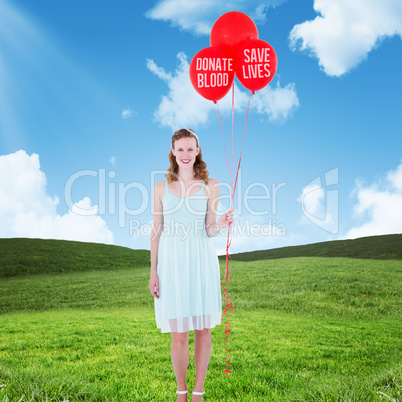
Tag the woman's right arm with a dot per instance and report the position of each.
(155, 235)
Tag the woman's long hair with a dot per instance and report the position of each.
(200, 167)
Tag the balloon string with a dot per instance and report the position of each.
(231, 172)
(223, 138)
(228, 301)
(244, 134)
(228, 276)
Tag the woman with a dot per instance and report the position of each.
(185, 275)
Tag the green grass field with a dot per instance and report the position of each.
(77, 324)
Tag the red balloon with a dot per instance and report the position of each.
(231, 30)
(255, 64)
(212, 73)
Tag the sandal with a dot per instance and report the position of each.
(182, 392)
(198, 393)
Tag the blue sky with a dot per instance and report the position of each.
(91, 93)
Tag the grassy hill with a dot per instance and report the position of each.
(306, 328)
(21, 256)
(385, 247)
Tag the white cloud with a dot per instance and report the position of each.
(26, 210)
(346, 31)
(382, 204)
(160, 72)
(127, 113)
(198, 16)
(395, 178)
(184, 107)
(277, 103)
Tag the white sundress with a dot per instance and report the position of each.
(187, 267)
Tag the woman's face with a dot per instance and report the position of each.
(185, 150)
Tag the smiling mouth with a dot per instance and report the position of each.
(186, 161)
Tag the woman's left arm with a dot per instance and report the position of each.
(212, 227)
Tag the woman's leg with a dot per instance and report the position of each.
(180, 357)
(202, 353)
